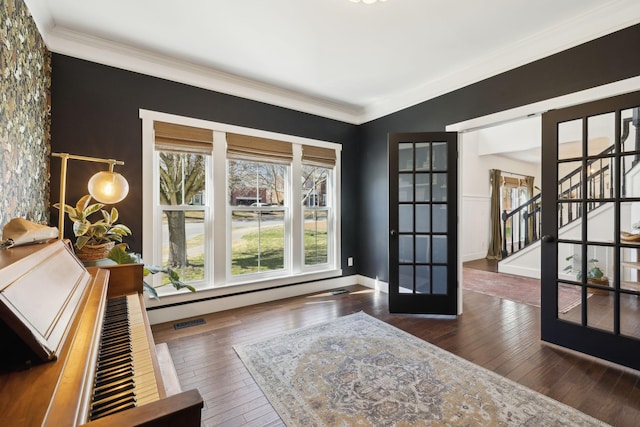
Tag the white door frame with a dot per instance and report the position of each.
(537, 108)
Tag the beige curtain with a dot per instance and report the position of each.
(495, 242)
(528, 180)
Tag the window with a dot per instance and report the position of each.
(515, 192)
(316, 214)
(182, 158)
(317, 168)
(220, 204)
(182, 191)
(258, 212)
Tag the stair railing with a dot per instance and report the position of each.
(522, 226)
(525, 221)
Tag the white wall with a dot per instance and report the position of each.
(476, 190)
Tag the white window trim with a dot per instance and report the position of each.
(330, 224)
(220, 280)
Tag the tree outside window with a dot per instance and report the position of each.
(182, 199)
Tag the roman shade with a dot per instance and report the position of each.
(182, 139)
(508, 181)
(244, 147)
(318, 156)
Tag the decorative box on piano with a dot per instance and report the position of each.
(77, 347)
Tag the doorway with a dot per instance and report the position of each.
(520, 113)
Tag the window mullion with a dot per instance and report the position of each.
(297, 212)
(221, 230)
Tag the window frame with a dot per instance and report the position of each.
(287, 224)
(157, 230)
(218, 268)
(330, 208)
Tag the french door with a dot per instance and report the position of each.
(591, 228)
(423, 223)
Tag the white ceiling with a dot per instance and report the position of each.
(335, 58)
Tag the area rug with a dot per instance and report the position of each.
(359, 371)
(516, 288)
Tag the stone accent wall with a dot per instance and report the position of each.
(25, 120)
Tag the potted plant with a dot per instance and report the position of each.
(94, 240)
(595, 275)
(120, 256)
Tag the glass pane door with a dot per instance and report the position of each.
(591, 223)
(422, 245)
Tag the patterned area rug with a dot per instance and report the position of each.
(517, 288)
(359, 371)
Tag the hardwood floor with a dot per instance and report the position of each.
(483, 264)
(500, 335)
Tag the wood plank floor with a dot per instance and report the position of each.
(500, 335)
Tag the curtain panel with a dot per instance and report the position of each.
(495, 242)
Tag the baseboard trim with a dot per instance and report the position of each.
(200, 308)
(519, 271)
(376, 284)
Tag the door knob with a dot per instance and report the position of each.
(548, 239)
(393, 232)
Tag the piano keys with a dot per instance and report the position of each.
(90, 356)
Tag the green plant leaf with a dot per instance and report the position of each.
(120, 256)
(121, 229)
(80, 228)
(114, 215)
(82, 204)
(153, 269)
(81, 241)
(595, 273)
(151, 290)
(106, 217)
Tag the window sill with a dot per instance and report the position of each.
(172, 296)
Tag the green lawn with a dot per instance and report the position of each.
(260, 251)
(244, 252)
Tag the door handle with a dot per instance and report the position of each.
(548, 238)
(393, 232)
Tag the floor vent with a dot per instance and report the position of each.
(188, 323)
(339, 291)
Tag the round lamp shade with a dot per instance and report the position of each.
(108, 187)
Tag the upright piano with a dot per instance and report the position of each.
(76, 346)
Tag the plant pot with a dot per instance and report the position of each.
(94, 252)
(602, 282)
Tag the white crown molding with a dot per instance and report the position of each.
(608, 18)
(611, 16)
(78, 45)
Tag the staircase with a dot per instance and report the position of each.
(521, 227)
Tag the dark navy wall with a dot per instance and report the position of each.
(604, 60)
(95, 113)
